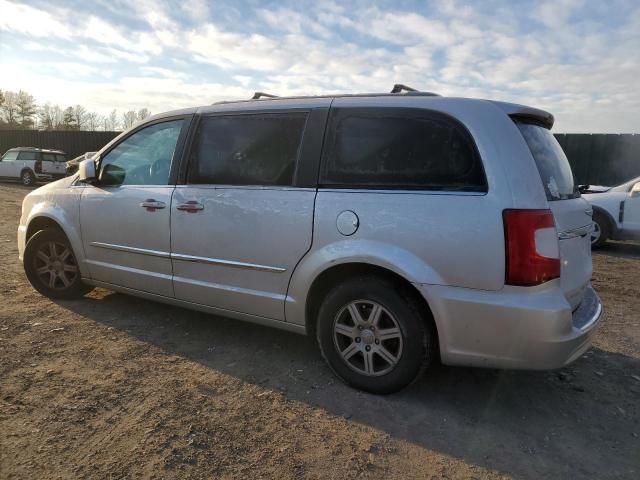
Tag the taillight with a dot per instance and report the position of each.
(38, 166)
(531, 244)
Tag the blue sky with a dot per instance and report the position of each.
(578, 59)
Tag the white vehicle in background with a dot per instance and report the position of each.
(29, 165)
(616, 211)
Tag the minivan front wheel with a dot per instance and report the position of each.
(372, 336)
(51, 266)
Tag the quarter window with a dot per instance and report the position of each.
(260, 149)
(48, 157)
(401, 148)
(143, 158)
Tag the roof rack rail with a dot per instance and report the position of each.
(258, 95)
(399, 88)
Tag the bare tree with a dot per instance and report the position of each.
(58, 117)
(10, 108)
(112, 121)
(47, 116)
(92, 121)
(80, 116)
(69, 119)
(143, 113)
(129, 119)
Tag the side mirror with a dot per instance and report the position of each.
(87, 169)
(635, 190)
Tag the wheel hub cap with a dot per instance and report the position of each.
(368, 337)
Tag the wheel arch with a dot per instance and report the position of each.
(49, 216)
(40, 223)
(329, 277)
(27, 169)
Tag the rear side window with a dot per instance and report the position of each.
(48, 157)
(259, 149)
(61, 158)
(553, 166)
(28, 156)
(401, 148)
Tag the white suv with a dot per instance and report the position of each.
(29, 164)
(397, 229)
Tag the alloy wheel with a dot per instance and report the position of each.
(26, 179)
(367, 337)
(55, 265)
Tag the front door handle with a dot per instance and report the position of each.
(191, 206)
(152, 205)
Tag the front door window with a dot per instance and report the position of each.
(144, 158)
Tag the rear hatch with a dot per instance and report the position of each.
(572, 214)
(54, 163)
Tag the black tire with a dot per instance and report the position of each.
(602, 224)
(416, 349)
(56, 278)
(27, 178)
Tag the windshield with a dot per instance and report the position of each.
(553, 166)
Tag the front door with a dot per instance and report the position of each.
(125, 216)
(8, 165)
(242, 221)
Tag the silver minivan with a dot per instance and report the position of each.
(397, 229)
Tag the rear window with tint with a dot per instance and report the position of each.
(553, 166)
(61, 158)
(401, 148)
(260, 149)
(48, 157)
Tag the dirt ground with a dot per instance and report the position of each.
(117, 387)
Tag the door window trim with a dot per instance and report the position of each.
(178, 153)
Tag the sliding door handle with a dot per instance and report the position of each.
(191, 206)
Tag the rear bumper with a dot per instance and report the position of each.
(519, 328)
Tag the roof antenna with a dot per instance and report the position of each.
(259, 95)
(399, 88)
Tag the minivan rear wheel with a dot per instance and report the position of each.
(372, 336)
(51, 266)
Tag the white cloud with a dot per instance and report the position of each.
(31, 21)
(583, 70)
(228, 49)
(555, 13)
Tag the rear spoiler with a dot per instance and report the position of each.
(534, 115)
